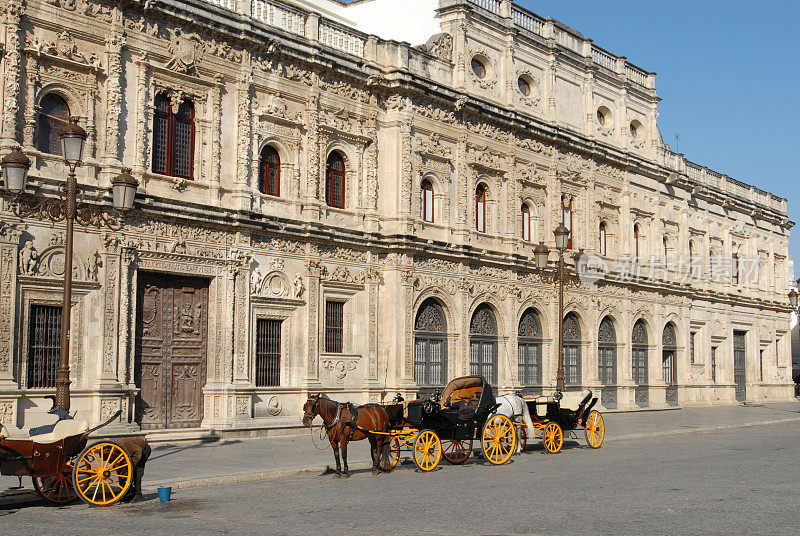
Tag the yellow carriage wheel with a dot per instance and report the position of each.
(102, 474)
(57, 489)
(392, 456)
(595, 429)
(456, 451)
(522, 437)
(498, 439)
(553, 437)
(427, 450)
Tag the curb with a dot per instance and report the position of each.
(266, 475)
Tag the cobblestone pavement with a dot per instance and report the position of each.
(743, 481)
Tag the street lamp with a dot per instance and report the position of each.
(793, 295)
(541, 254)
(15, 167)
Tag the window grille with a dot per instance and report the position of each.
(44, 346)
(334, 322)
(268, 353)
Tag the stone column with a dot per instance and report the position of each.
(407, 278)
(216, 137)
(242, 369)
(111, 154)
(31, 110)
(312, 194)
(127, 315)
(373, 280)
(244, 136)
(12, 75)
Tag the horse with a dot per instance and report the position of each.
(515, 408)
(345, 423)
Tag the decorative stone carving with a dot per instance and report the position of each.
(7, 413)
(298, 287)
(108, 408)
(27, 258)
(339, 368)
(271, 285)
(274, 406)
(440, 45)
(184, 52)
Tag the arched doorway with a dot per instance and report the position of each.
(572, 350)
(669, 352)
(529, 351)
(607, 362)
(639, 363)
(483, 344)
(430, 345)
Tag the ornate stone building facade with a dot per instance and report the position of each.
(320, 208)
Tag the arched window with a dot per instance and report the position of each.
(529, 349)
(53, 116)
(173, 138)
(636, 239)
(526, 223)
(430, 345)
(480, 208)
(607, 352)
(269, 172)
(334, 185)
(639, 362)
(426, 201)
(483, 344)
(572, 349)
(603, 240)
(566, 217)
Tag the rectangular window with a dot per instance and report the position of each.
(44, 346)
(735, 269)
(777, 354)
(529, 364)
(691, 347)
(334, 322)
(761, 365)
(268, 353)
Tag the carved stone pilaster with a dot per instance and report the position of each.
(140, 162)
(9, 244)
(111, 284)
(12, 75)
(241, 372)
(33, 82)
(312, 147)
(114, 45)
(462, 186)
(226, 368)
(244, 133)
(407, 284)
(127, 314)
(372, 296)
(314, 272)
(216, 133)
(407, 171)
(371, 162)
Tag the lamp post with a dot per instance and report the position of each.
(15, 167)
(560, 276)
(793, 295)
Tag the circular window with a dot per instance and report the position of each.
(637, 130)
(603, 116)
(524, 86)
(478, 67)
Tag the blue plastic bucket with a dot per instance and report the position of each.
(164, 493)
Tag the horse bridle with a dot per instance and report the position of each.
(314, 413)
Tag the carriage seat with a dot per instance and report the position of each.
(464, 394)
(531, 398)
(63, 429)
(572, 399)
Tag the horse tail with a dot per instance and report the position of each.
(526, 418)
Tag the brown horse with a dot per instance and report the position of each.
(342, 427)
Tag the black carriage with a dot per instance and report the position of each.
(554, 415)
(447, 424)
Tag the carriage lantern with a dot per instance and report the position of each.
(15, 170)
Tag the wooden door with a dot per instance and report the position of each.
(171, 343)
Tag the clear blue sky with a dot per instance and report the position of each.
(728, 77)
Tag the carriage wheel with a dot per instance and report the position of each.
(498, 439)
(102, 473)
(57, 489)
(427, 450)
(455, 451)
(553, 437)
(392, 456)
(522, 437)
(595, 429)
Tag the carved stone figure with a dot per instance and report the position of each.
(440, 45)
(27, 259)
(298, 286)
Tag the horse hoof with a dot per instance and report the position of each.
(337, 475)
(345, 475)
(376, 472)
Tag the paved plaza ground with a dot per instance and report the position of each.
(653, 476)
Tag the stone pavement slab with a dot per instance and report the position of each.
(239, 460)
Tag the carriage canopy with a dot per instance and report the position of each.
(464, 388)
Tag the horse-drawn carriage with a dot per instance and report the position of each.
(446, 426)
(63, 468)
(563, 412)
